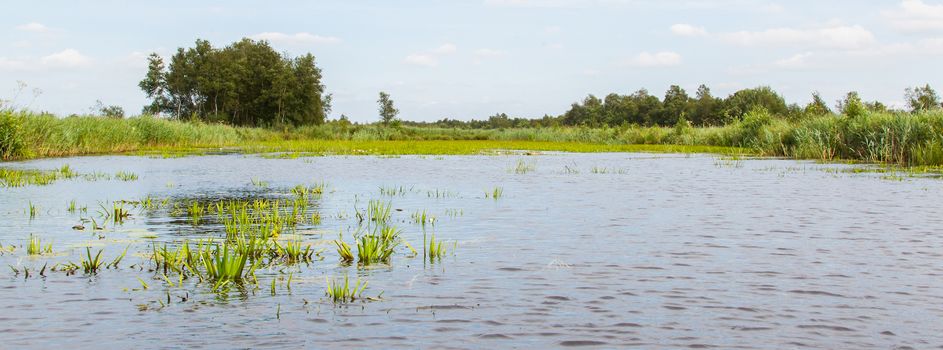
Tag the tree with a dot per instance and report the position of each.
(818, 106)
(113, 111)
(851, 105)
(387, 111)
(921, 99)
(743, 101)
(676, 105)
(154, 85)
(706, 110)
(245, 83)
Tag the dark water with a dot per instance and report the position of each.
(658, 252)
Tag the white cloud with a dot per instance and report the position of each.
(421, 60)
(67, 58)
(658, 59)
(301, 38)
(34, 27)
(445, 49)
(799, 60)
(841, 37)
(489, 53)
(916, 16)
(12, 64)
(683, 29)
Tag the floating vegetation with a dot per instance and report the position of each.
(35, 246)
(342, 292)
(126, 176)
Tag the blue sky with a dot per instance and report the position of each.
(470, 59)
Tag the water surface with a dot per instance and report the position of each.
(647, 251)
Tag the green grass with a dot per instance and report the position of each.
(900, 139)
(435, 250)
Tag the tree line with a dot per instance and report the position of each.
(245, 83)
(702, 109)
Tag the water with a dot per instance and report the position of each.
(658, 252)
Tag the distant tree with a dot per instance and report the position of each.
(387, 111)
(921, 99)
(676, 105)
(743, 101)
(154, 85)
(818, 106)
(113, 111)
(851, 105)
(875, 106)
(706, 110)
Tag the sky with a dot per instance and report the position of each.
(468, 59)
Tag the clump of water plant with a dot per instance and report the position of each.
(434, 249)
(196, 211)
(292, 252)
(36, 247)
(91, 265)
(523, 167)
(33, 210)
(495, 193)
(343, 250)
(126, 176)
(423, 218)
(343, 292)
(224, 265)
(374, 249)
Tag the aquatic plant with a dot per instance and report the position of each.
(224, 265)
(292, 252)
(423, 218)
(32, 210)
(435, 250)
(523, 167)
(495, 193)
(374, 249)
(90, 265)
(126, 176)
(343, 292)
(343, 250)
(195, 211)
(35, 246)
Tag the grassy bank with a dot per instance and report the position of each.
(901, 139)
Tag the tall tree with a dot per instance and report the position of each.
(245, 83)
(818, 106)
(387, 111)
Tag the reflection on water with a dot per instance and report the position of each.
(611, 250)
